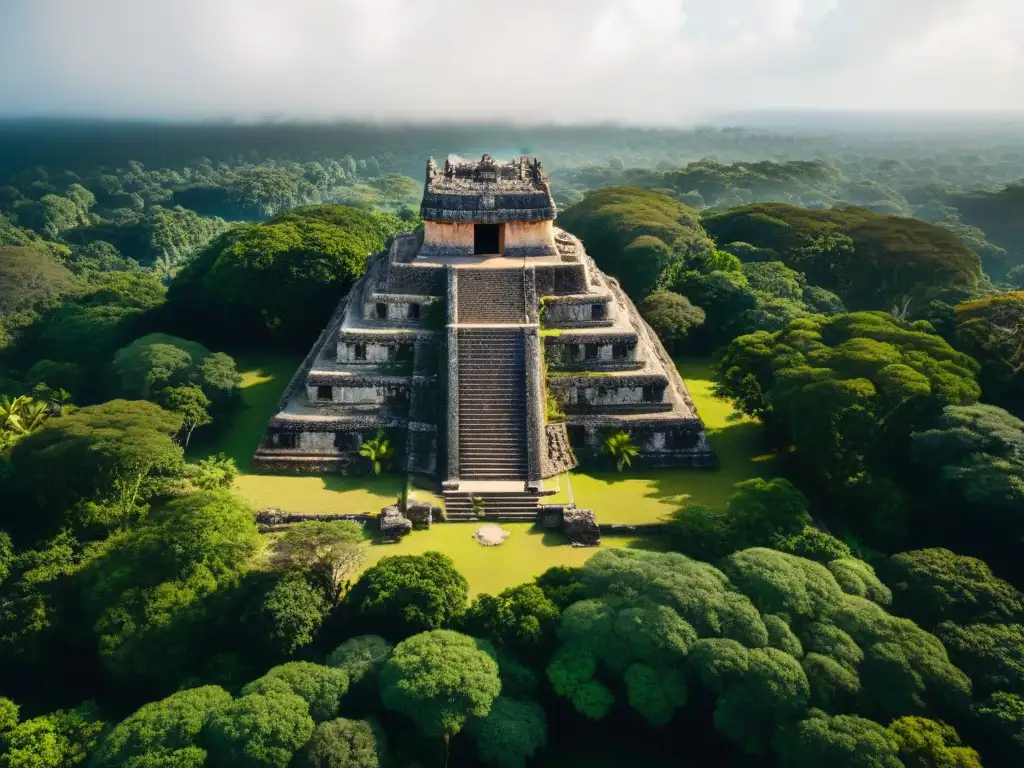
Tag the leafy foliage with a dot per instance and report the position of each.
(259, 729)
(281, 277)
(166, 730)
(403, 594)
(872, 261)
(440, 679)
(935, 585)
(511, 733)
(119, 450)
(321, 687)
(342, 743)
(635, 235)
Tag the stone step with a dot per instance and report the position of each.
(497, 457)
(507, 472)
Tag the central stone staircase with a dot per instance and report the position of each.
(492, 404)
(498, 505)
(491, 296)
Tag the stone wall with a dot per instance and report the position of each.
(535, 407)
(447, 239)
(579, 311)
(661, 444)
(580, 352)
(535, 238)
(365, 394)
(558, 456)
(451, 424)
(561, 279)
(414, 280)
(375, 352)
(421, 449)
(400, 310)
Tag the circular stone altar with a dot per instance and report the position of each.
(490, 535)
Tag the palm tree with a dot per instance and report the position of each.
(60, 399)
(21, 415)
(620, 449)
(11, 413)
(33, 415)
(378, 451)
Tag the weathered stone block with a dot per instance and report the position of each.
(420, 514)
(393, 525)
(580, 526)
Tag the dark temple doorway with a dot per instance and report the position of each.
(486, 239)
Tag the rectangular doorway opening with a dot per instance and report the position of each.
(486, 239)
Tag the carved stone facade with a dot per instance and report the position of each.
(444, 343)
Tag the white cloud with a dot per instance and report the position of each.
(572, 60)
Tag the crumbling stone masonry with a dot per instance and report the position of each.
(445, 341)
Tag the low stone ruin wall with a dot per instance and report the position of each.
(558, 457)
(270, 519)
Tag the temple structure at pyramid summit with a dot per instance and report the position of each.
(491, 349)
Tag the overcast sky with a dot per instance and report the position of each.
(642, 61)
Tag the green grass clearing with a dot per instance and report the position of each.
(526, 553)
(263, 380)
(647, 496)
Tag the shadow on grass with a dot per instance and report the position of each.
(649, 496)
(263, 382)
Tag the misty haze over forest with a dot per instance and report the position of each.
(651, 62)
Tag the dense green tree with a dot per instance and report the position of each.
(845, 390)
(440, 679)
(671, 316)
(258, 729)
(158, 361)
(799, 589)
(724, 296)
(361, 657)
(31, 281)
(344, 743)
(520, 619)
(562, 585)
(145, 587)
(774, 279)
(872, 261)
(165, 732)
(1000, 717)
(214, 473)
(758, 512)
(326, 552)
(61, 739)
(279, 279)
(118, 451)
(510, 734)
(935, 585)
(969, 466)
(190, 404)
(926, 743)
(842, 741)
(89, 328)
(289, 614)
(321, 687)
(985, 328)
(812, 543)
(856, 577)
(8, 714)
(408, 593)
(636, 234)
(992, 655)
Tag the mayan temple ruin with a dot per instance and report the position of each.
(468, 341)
